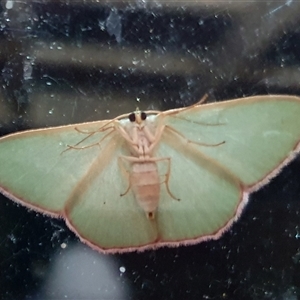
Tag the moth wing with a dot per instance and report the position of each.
(210, 197)
(81, 185)
(37, 172)
(244, 143)
(260, 134)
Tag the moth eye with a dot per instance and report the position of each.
(143, 116)
(131, 117)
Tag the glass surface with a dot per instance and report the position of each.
(77, 61)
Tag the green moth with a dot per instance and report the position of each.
(149, 179)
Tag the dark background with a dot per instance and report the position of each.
(65, 62)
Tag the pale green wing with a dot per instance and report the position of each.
(210, 197)
(99, 215)
(244, 143)
(260, 134)
(36, 170)
(83, 186)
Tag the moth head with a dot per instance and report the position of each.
(137, 116)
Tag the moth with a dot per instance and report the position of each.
(149, 179)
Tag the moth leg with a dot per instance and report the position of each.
(92, 133)
(133, 159)
(133, 141)
(154, 139)
(202, 100)
(69, 147)
(167, 175)
(101, 129)
(193, 142)
(124, 171)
